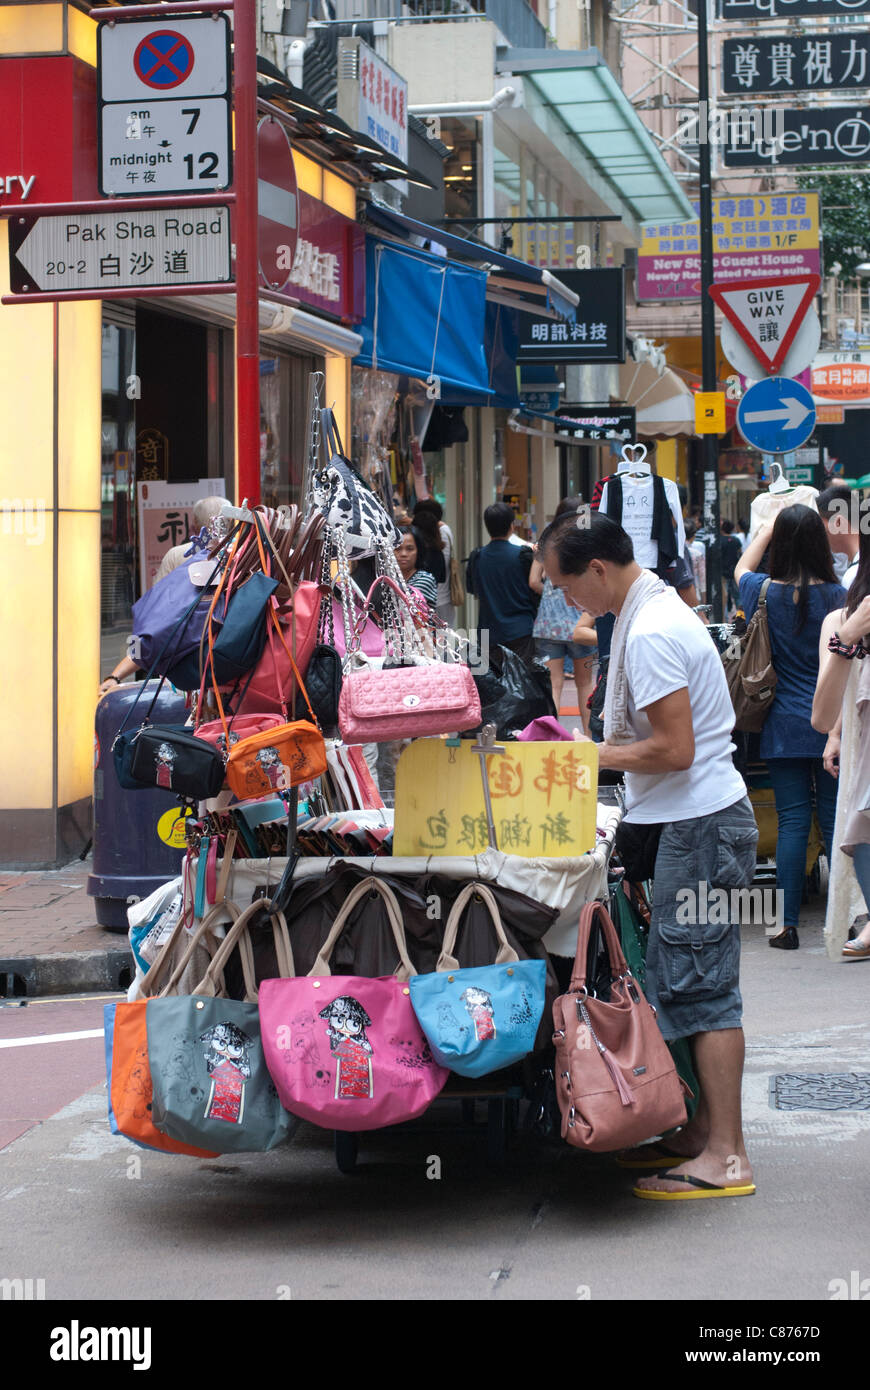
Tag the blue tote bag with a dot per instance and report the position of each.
(484, 1018)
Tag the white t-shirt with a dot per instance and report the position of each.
(447, 537)
(637, 516)
(849, 573)
(668, 649)
(767, 504)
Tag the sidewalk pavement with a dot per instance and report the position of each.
(50, 942)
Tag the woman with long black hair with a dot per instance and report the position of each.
(802, 592)
(842, 706)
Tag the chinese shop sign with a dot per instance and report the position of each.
(598, 332)
(544, 799)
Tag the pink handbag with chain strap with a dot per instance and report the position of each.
(436, 697)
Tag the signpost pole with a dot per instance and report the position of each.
(247, 269)
(709, 442)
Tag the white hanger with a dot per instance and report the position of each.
(779, 483)
(633, 461)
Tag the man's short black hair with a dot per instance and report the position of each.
(836, 493)
(598, 538)
(498, 520)
(727, 526)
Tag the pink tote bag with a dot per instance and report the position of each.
(344, 1051)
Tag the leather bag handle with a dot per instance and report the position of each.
(215, 917)
(238, 935)
(614, 950)
(367, 885)
(506, 953)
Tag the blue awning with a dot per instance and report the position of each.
(501, 341)
(509, 274)
(425, 316)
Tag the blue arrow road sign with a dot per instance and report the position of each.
(776, 415)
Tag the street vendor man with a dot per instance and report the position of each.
(688, 825)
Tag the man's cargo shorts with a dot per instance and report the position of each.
(693, 963)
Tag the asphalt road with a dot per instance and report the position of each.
(97, 1218)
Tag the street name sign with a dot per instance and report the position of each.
(113, 250)
(767, 313)
(165, 118)
(776, 415)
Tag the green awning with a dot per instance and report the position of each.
(579, 89)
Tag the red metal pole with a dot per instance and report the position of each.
(247, 266)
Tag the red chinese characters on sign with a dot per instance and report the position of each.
(326, 269)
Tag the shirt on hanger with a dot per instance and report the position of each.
(767, 504)
(637, 515)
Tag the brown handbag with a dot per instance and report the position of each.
(616, 1082)
(749, 670)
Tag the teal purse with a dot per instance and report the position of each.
(484, 1018)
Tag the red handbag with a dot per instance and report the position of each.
(270, 690)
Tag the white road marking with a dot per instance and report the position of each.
(51, 1038)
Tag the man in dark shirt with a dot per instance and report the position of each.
(498, 574)
(731, 552)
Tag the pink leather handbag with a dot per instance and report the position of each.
(376, 706)
(344, 1051)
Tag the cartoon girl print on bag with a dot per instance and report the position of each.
(269, 765)
(347, 1021)
(478, 1002)
(164, 760)
(227, 1060)
(221, 743)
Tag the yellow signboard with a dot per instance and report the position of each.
(710, 412)
(543, 798)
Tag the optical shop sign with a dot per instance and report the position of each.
(598, 333)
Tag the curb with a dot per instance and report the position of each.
(74, 972)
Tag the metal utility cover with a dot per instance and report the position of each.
(818, 1090)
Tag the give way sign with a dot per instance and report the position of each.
(767, 313)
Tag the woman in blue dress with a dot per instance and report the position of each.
(802, 592)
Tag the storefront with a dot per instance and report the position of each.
(145, 385)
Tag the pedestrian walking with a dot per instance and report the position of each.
(802, 592)
(499, 575)
(667, 722)
(842, 705)
(440, 548)
(835, 506)
(561, 633)
(731, 553)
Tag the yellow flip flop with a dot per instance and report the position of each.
(698, 1189)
